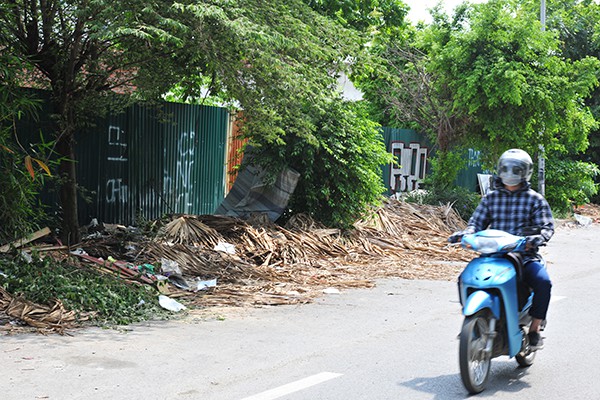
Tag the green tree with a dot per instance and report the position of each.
(293, 112)
(576, 23)
(570, 183)
(277, 60)
(504, 76)
(76, 49)
(496, 81)
(383, 25)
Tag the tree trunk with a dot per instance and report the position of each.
(68, 191)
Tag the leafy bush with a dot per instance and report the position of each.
(107, 298)
(569, 183)
(341, 170)
(445, 167)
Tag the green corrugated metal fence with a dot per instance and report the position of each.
(153, 162)
(145, 162)
(150, 161)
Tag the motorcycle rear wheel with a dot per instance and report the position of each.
(474, 361)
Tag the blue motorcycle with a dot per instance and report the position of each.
(495, 303)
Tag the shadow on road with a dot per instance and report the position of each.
(505, 376)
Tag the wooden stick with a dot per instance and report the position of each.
(21, 242)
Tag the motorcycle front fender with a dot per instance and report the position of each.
(480, 300)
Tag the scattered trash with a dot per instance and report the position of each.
(169, 267)
(50, 317)
(256, 262)
(178, 281)
(170, 304)
(95, 235)
(26, 256)
(161, 284)
(79, 251)
(582, 220)
(95, 226)
(225, 247)
(120, 268)
(205, 284)
(171, 270)
(146, 268)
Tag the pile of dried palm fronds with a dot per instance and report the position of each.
(293, 263)
(44, 318)
(189, 231)
(257, 262)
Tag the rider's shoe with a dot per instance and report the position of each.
(535, 341)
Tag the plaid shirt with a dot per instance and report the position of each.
(521, 213)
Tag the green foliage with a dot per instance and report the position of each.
(445, 167)
(570, 183)
(506, 79)
(341, 172)
(487, 78)
(20, 212)
(372, 16)
(576, 23)
(108, 299)
(293, 115)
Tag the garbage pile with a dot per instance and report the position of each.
(215, 260)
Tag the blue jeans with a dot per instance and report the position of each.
(536, 276)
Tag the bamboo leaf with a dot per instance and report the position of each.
(43, 166)
(29, 166)
(7, 149)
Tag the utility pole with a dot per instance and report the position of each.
(541, 152)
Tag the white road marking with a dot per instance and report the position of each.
(294, 386)
(557, 298)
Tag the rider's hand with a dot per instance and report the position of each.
(533, 242)
(456, 237)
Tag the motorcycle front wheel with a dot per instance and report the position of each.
(526, 356)
(475, 362)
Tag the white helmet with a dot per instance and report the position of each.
(515, 166)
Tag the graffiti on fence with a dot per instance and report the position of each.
(116, 191)
(182, 184)
(116, 188)
(409, 169)
(117, 144)
(474, 159)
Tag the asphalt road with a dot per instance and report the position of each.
(396, 341)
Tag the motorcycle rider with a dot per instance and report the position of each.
(512, 206)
